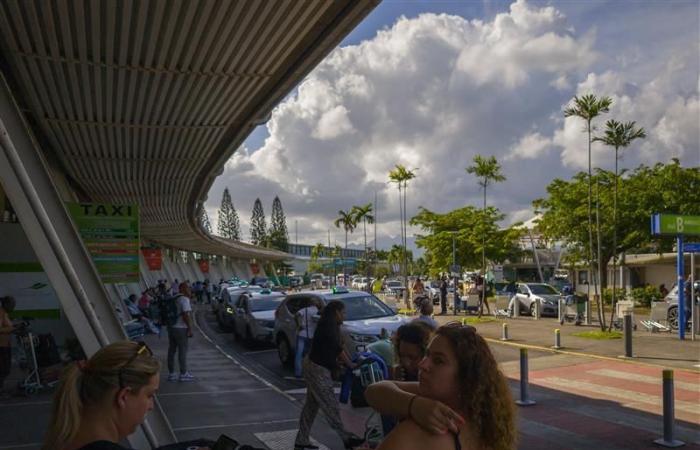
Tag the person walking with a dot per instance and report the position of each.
(443, 295)
(307, 326)
(326, 348)
(179, 325)
(7, 305)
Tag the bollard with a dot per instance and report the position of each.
(524, 398)
(537, 309)
(667, 440)
(504, 333)
(628, 334)
(516, 308)
(557, 339)
(587, 312)
(561, 311)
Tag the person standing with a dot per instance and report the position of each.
(7, 305)
(443, 295)
(307, 326)
(179, 331)
(326, 348)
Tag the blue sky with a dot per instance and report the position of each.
(431, 84)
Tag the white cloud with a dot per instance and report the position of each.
(431, 92)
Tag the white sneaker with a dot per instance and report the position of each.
(186, 377)
(172, 377)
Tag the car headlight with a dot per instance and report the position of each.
(363, 338)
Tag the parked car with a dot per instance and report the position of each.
(263, 282)
(360, 283)
(528, 293)
(254, 318)
(365, 317)
(671, 304)
(432, 288)
(226, 306)
(296, 281)
(395, 287)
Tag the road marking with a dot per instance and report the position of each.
(238, 363)
(281, 440)
(175, 394)
(260, 351)
(302, 391)
(644, 379)
(637, 397)
(238, 424)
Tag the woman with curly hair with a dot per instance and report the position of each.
(461, 399)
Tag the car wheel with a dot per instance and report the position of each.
(532, 309)
(284, 351)
(672, 317)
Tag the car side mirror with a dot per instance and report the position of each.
(527, 294)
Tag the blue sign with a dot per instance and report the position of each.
(691, 247)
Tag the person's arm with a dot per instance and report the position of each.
(401, 399)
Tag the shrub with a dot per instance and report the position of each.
(644, 295)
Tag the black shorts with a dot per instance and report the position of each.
(5, 361)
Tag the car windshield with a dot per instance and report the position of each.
(542, 289)
(264, 304)
(393, 283)
(363, 307)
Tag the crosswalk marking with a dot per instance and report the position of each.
(282, 440)
(644, 379)
(616, 392)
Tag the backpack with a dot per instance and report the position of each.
(169, 312)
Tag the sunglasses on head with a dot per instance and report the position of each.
(142, 347)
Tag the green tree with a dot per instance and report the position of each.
(487, 171)
(346, 219)
(401, 176)
(204, 219)
(279, 237)
(258, 227)
(364, 214)
(662, 188)
(229, 225)
(588, 107)
(468, 225)
(317, 252)
(618, 135)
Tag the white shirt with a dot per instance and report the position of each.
(308, 323)
(183, 306)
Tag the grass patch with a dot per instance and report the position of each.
(483, 319)
(599, 335)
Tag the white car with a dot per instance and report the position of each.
(226, 306)
(360, 283)
(365, 317)
(548, 297)
(254, 318)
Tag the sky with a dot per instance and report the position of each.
(431, 84)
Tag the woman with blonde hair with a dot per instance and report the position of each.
(461, 399)
(103, 400)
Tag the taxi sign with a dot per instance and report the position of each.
(672, 224)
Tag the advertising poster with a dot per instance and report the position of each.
(153, 257)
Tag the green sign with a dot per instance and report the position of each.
(675, 225)
(111, 235)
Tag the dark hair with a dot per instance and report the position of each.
(8, 303)
(416, 332)
(484, 393)
(328, 314)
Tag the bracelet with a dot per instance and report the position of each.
(410, 405)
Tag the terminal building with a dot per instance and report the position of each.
(115, 119)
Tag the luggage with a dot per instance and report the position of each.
(47, 351)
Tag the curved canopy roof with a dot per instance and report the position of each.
(144, 101)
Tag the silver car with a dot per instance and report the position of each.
(226, 306)
(365, 316)
(254, 318)
(528, 293)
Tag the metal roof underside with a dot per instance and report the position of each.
(144, 101)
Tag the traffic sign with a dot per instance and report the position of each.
(675, 225)
(691, 247)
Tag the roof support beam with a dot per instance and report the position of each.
(26, 180)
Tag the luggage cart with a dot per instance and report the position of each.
(573, 309)
(28, 343)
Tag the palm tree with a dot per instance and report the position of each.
(588, 107)
(618, 135)
(364, 214)
(347, 219)
(401, 176)
(488, 171)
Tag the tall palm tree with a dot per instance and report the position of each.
(364, 214)
(618, 135)
(588, 107)
(488, 171)
(401, 176)
(347, 220)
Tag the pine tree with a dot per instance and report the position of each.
(204, 219)
(279, 237)
(258, 227)
(229, 226)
